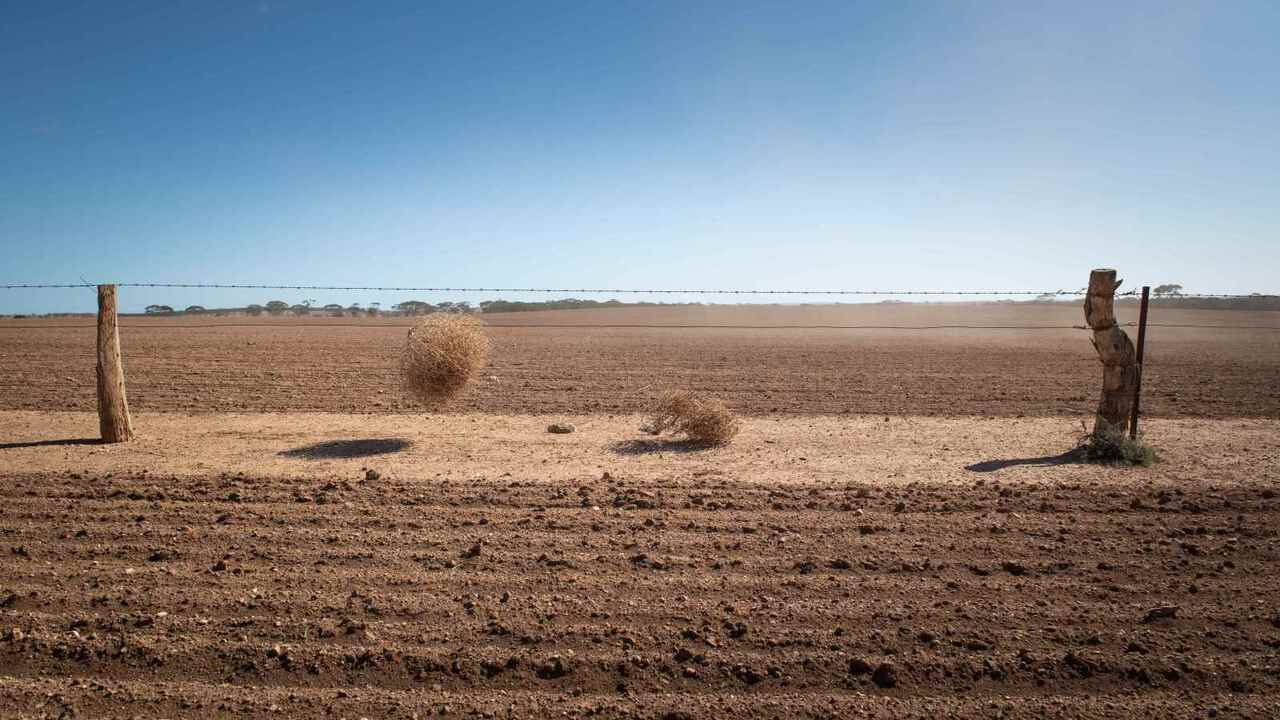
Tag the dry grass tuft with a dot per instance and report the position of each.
(703, 420)
(442, 354)
(1116, 448)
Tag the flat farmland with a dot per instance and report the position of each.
(1010, 360)
(900, 530)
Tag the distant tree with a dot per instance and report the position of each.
(373, 309)
(194, 309)
(334, 309)
(416, 307)
(301, 309)
(497, 306)
(1170, 290)
(254, 309)
(159, 310)
(275, 307)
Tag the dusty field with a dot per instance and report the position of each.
(345, 365)
(244, 565)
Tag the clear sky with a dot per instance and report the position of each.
(635, 144)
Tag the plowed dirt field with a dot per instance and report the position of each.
(897, 532)
(252, 566)
(1008, 360)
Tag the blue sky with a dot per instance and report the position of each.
(635, 144)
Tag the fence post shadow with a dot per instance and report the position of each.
(1074, 456)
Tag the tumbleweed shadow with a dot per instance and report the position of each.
(50, 443)
(649, 447)
(337, 449)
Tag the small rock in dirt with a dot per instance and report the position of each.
(1160, 612)
(747, 674)
(1014, 568)
(885, 676)
(858, 666)
(372, 474)
(551, 668)
(561, 428)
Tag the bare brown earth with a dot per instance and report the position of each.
(248, 566)
(1229, 369)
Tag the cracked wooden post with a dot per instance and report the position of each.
(113, 408)
(1115, 350)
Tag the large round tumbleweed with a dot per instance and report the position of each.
(442, 354)
(703, 420)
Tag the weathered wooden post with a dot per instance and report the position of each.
(1115, 350)
(113, 408)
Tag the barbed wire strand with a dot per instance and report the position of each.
(593, 291)
(627, 326)
(618, 291)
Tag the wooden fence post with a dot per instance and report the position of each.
(1115, 350)
(113, 408)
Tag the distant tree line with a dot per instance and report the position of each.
(500, 306)
(1164, 295)
(408, 307)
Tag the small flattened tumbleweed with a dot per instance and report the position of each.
(703, 420)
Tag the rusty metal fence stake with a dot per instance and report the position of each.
(1142, 340)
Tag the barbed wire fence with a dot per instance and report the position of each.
(116, 423)
(622, 291)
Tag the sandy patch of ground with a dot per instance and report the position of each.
(770, 450)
